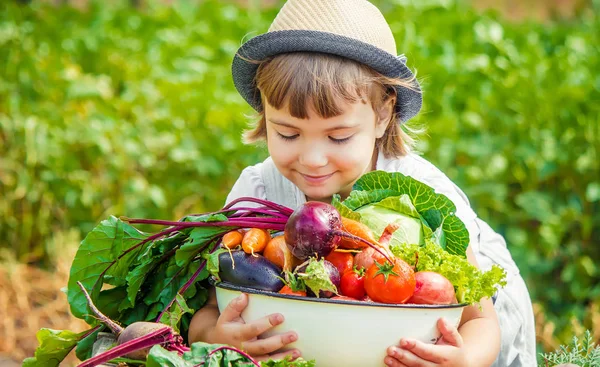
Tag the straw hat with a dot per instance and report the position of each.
(354, 29)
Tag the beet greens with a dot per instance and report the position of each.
(161, 277)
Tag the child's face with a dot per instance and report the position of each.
(324, 156)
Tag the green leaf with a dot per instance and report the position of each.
(212, 262)
(316, 277)
(99, 256)
(54, 345)
(160, 357)
(198, 239)
(287, 362)
(173, 316)
(85, 346)
(343, 209)
(470, 283)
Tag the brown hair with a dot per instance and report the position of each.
(299, 78)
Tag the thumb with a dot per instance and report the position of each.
(450, 334)
(234, 309)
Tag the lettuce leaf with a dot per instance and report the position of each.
(470, 283)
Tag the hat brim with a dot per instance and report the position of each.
(409, 100)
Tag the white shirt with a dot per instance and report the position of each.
(513, 304)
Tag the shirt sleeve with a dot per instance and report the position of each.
(249, 184)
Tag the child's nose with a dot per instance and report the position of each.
(313, 157)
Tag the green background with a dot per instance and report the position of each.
(124, 111)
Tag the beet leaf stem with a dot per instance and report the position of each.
(356, 238)
(160, 336)
(116, 328)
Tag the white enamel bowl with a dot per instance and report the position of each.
(342, 333)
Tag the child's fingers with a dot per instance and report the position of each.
(270, 344)
(409, 359)
(427, 352)
(450, 334)
(253, 329)
(391, 362)
(234, 309)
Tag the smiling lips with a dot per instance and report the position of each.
(316, 180)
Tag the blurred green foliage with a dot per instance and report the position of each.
(124, 111)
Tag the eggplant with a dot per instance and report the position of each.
(252, 271)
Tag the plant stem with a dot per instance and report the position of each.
(277, 224)
(116, 328)
(356, 238)
(280, 208)
(234, 350)
(188, 283)
(160, 336)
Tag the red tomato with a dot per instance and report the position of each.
(387, 283)
(288, 290)
(343, 261)
(352, 284)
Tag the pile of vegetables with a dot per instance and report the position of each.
(393, 240)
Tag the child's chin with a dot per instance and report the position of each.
(318, 195)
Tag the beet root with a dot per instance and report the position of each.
(137, 330)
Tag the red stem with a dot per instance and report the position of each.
(148, 239)
(277, 224)
(262, 210)
(280, 208)
(116, 328)
(189, 282)
(160, 336)
(356, 238)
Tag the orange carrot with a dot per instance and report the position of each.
(279, 254)
(232, 239)
(255, 240)
(358, 229)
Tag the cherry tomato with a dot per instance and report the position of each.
(390, 283)
(352, 284)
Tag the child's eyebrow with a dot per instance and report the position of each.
(337, 127)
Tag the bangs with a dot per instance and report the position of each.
(322, 82)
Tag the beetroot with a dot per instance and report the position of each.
(135, 340)
(311, 230)
(315, 229)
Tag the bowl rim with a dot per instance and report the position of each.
(234, 287)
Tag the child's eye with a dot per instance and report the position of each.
(287, 137)
(340, 141)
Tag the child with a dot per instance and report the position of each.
(332, 98)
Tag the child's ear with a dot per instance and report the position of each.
(384, 116)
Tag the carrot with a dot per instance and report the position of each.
(255, 240)
(232, 239)
(279, 254)
(358, 229)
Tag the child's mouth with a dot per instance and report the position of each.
(316, 180)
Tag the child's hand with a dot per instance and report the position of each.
(412, 353)
(231, 329)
